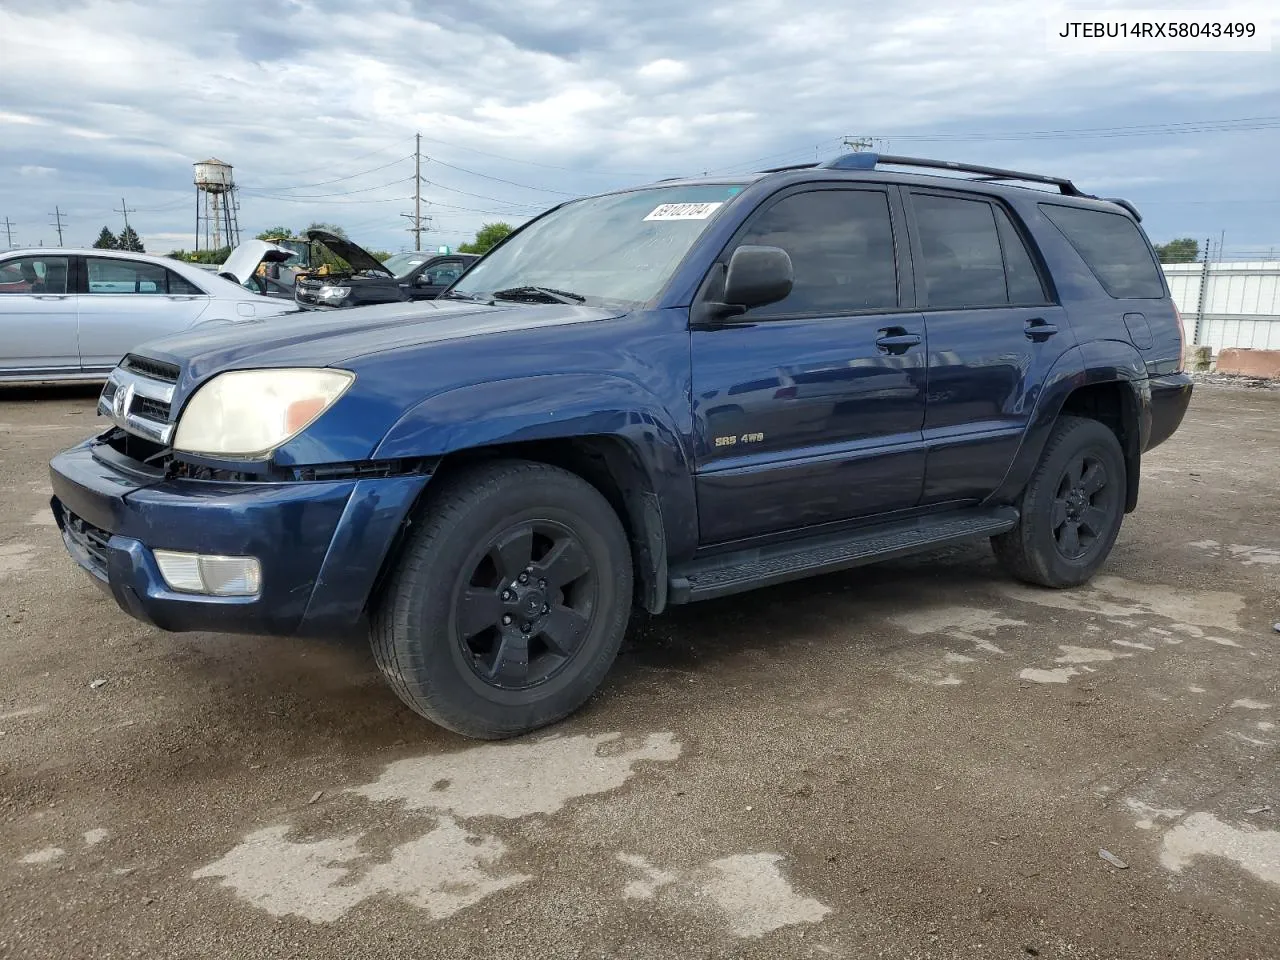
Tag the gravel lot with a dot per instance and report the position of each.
(921, 759)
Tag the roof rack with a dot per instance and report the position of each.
(869, 161)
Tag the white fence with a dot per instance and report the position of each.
(1228, 304)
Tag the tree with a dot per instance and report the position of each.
(487, 237)
(129, 240)
(274, 233)
(333, 228)
(106, 241)
(1182, 250)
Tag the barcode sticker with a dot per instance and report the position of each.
(684, 211)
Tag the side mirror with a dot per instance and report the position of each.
(756, 276)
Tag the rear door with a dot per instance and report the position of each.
(37, 316)
(994, 333)
(125, 303)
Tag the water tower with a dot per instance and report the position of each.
(216, 205)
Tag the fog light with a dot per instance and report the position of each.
(216, 576)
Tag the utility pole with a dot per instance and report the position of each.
(57, 222)
(417, 229)
(417, 191)
(858, 144)
(8, 232)
(124, 211)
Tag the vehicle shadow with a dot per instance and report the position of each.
(34, 393)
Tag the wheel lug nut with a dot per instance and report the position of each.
(506, 619)
(542, 584)
(523, 578)
(506, 594)
(524, 627)
(545, 608)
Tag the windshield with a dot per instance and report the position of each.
(618, 249)
(402, 263)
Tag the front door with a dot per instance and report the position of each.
(810, 410)
(993, 336)
(125, 303)
(37, 316)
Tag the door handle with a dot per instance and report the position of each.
(896, 340)
(1038, 330)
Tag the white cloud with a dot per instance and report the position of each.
(123, 96)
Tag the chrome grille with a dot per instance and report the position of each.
(140, 403)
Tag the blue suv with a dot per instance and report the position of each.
(649, 397)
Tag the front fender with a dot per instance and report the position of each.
(555, 407)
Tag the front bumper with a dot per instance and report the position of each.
(321, 544)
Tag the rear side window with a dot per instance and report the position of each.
(125, 276)
(962, 262)
(1025, 286)
(1113, 247)
(182, 286)
(841, 248)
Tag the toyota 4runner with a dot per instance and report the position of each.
(648, 397)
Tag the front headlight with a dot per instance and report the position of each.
(248, 413)
(333, 293)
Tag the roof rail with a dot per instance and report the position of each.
(793, 166)
(868, 161)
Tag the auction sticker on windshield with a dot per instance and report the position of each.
(684, 211)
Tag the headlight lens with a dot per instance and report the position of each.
(333, 293)
(248, 413)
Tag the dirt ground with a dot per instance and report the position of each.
(921, 759)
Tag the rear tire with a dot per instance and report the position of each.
(1072, 508)
(509, 602)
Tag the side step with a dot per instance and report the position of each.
(739, 570)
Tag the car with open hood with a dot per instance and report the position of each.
(649, 397)
(366, 280)
(72, 314)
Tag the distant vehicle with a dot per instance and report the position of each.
(406, 276)
(71, 314)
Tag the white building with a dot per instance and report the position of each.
(1228, 304)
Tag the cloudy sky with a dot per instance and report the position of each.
(521, 104)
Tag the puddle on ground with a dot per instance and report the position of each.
(748, 889)
(1243, 553)
(1204, 835)
(518, 779)
(441, 872)
(960, 623)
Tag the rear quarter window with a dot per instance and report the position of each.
(1113, 248)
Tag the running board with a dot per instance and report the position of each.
(739, 570)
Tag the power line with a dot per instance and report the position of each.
(325, 183)
(478, 196)
(57, 222)
(371, 153)
(510, 183)
(323, 196)
(8, 230)
(1134, 130)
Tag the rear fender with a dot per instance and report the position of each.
(1094, 362)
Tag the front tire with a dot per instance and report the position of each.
(509, 602)
(1072, 508)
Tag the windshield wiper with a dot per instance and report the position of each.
(544, 295)
(469, 297)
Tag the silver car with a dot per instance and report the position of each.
(68, 314)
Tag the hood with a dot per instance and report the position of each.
(359, 258)
(332, 338)
(246, 258)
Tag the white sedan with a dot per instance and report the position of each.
(70, 314)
